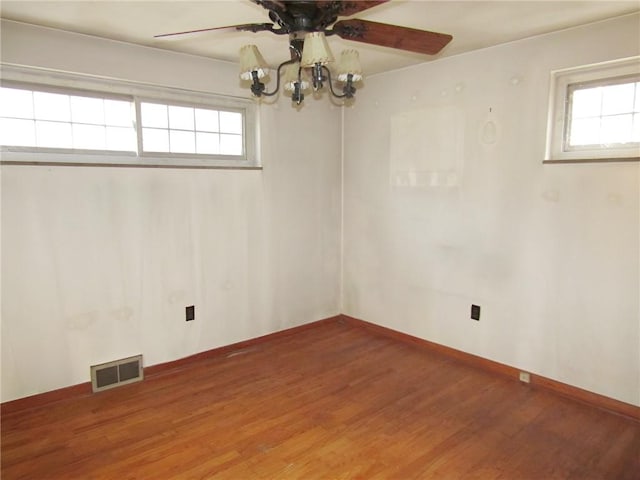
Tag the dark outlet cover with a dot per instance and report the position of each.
(475, 312)
(190, 312)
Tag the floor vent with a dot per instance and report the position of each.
(116, 373)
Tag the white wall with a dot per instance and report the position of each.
(99, 263)
(442, 211)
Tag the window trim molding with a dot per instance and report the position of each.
(70, 83)
(560, 80)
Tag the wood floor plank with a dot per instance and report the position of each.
(335, 401)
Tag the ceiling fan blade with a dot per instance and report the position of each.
(346, 8)
(247, 27)
(394, 36)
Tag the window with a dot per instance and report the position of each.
(43, 119)
(595, 113)
(91, 121)
(190, 130)
(603, 115)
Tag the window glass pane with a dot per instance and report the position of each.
(585, 131)
(51, 106)
(231, 144)
(53, 134)
(635, 133)
(155, 140)
(181, 118)
(617, 99)
(18, 133)
(230, 122)
(586, 102)
(616, 129)
(206, 120)
(154, 115)
(121, 138)
(16, 103)
(182, 142)
(89, 137)
(636, 107)
(118, 113)
(207, 143)
(87, 110)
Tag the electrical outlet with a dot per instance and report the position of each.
(475, 312)
(190, 313)
(525, 377)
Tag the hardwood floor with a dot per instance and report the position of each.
(334, 401)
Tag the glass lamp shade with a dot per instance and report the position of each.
(290, 77)
(315, 50)
(349, 64)
(251, 60)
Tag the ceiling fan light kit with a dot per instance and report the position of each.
(308, 23)
(293, 75)
(314, 58)
(251, 60)
(349, 64)
(316, 50)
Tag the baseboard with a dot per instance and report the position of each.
(219, 351)
(84, 389)
(536, 381)
(41, 399)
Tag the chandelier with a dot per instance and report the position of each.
(308, 66)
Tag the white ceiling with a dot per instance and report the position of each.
(473, 24)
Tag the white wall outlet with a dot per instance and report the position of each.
(525, 377)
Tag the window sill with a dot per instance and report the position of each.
(121, 160)
(592, 160)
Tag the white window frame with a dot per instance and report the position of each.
(79, 84)
(559, 105)
(148, 153)
(72, 92)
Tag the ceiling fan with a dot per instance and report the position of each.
(300, 16)
(307, 23)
